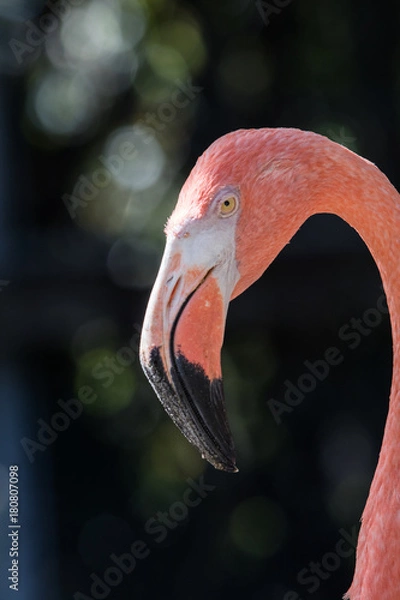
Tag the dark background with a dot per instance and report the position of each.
(74, 291)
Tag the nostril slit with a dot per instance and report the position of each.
(174, 290)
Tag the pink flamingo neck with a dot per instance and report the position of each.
(355, 190)
(372, 207)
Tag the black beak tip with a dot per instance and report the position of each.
(197, 407)
(229, 466)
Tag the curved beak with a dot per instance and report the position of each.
(180, 349)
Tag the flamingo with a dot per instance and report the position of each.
(243, 201)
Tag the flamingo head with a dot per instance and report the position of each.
(231, 220)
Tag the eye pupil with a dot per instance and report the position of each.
(228, 206)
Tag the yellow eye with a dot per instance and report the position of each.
(228, 206)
